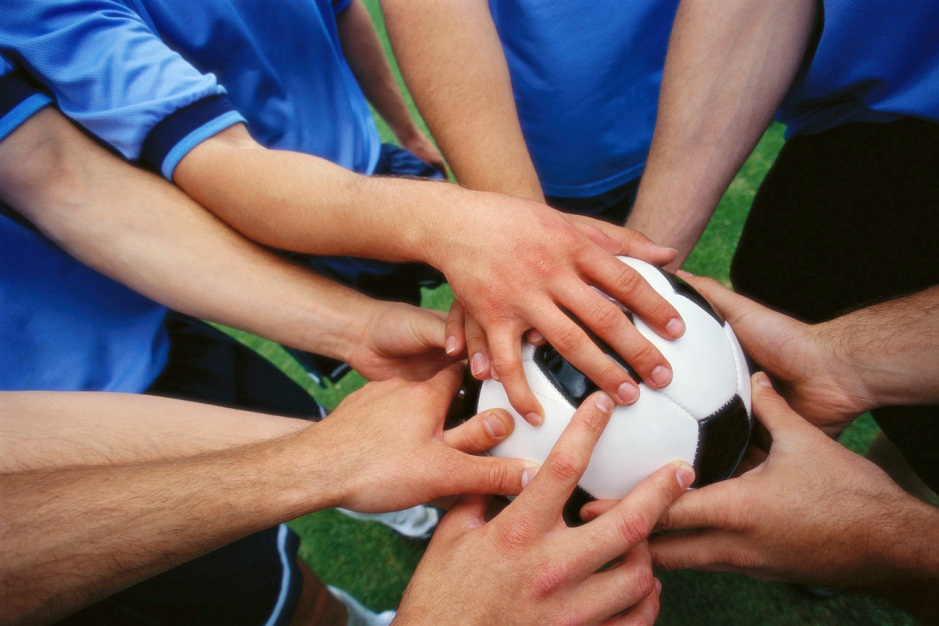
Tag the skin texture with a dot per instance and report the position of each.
(809, 511)
(142, 231)
(728, 66)
(525, 566)
(193, 495)
(881, 355)
(555, 260)
(472, 114)
(363, 51)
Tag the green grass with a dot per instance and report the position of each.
(373, 564)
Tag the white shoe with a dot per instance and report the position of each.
(418, 522)
(358, 614)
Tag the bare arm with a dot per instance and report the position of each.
(367, 59)
(146, 233)
(515, 264)
(152, 506)
(729, 64)
(452, 60)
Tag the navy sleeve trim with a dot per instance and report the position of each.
(174, 129)
(19, 100)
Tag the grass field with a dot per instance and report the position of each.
(374, 564)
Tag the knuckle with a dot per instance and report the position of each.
(632, 528)
(566, 338)
(566, 466)
(643, 582)
(606, 316)
(497, 475)
(550, 577)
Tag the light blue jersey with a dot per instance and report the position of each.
(586, 81)
(63, 326)
(154, 78)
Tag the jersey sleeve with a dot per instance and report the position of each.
(340, 5)
(19, 99)
(109, 71)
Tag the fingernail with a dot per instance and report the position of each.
(534, 419)
(684, 274)
(494, 426)
(628, 392)
(658, 587)
(527, 475)
(675, 327)
(535, 337)
(763, 380)
(494, 374)
(451, 345)
(684, 475)
(604, 402)
(478, 364)
(661, 375)
(588, 515)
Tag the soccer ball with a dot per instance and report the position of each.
(702, 417)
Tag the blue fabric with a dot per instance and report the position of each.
(54, 332)
(121, 67)
(18, 99)
(586, 82)
(876, 61)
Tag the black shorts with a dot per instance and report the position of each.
(252, 581)
(844, 219)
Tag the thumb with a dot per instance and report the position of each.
(428, 328)
(490, 475)
(772, 410)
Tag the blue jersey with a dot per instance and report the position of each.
(63, 326)
(586, 82)
(154, 78)
(876, 61)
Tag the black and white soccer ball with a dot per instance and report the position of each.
(702, 417)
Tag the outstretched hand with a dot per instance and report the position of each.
(392, 452)
(526, 566)
(813, 512)
(540, 269)
(820, 386)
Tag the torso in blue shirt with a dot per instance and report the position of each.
(63, 326)
(876, 61)
(119, 67)
(586, 81)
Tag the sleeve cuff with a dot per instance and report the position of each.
(340, 5)
(19, 100)
(183, 130)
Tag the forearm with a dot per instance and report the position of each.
(471, 112)
(135, 520)
(303, 203)
(45, 430)
(146, 233)
(890, 350)
(729, 64)
(368, 62)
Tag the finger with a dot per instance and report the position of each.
(535, 337)
(455, 332)
(772, 410)
(467, 513)
(481, 432)
(543, 500)
(706, 549)
(428, 329)
(730, 305)
(612, 325)
(629, 242)
(486, 475)
(444, 386)
(643, 614)
(596, 508)
(507, 369)
(477, 347)
(721, 505)
(625, 284)
(622, 586)
(629, 523)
